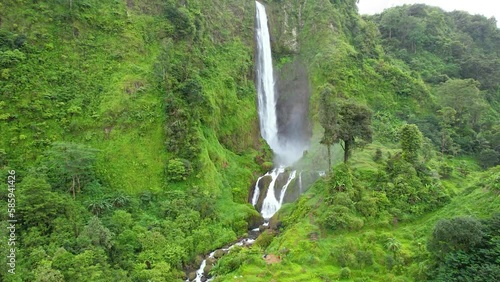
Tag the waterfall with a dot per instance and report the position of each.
(265, 81)
(300, 182)
(256, 192)
(267, 97)
(286, 151)
(285, 154)
(283, 189)
(271, 204)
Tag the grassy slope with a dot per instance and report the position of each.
(106, 73)
(101, 59)
(310, 253)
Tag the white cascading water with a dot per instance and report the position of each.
(283, 189)
(300, 183)
(271, 205)
(256, 192)
(268, 119)
(265, 82)
(200, 271)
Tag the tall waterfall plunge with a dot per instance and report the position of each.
(265, 82)
(286, 151)
(279, 180)
(267, 97)
(270, 189)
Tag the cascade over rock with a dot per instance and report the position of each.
(270, 189)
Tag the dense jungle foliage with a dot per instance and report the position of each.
(133, 131)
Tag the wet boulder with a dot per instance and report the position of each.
(254, 220)
(265, 238)
(207, 269)
(198, 260)
(192, 276)
(292, 192)
(219, 253)
(263, 186)
(275, 222)
(211, 261)
(281, 180)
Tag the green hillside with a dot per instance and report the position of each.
(133, 132)
(373, 218)
(122, 121)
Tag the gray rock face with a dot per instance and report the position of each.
(293, 191)
(280, 182)
(300, 185)
(293, 104)
(275, 222)
(262, 228)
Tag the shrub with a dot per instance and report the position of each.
(342, 180)
(364, 258)
(340, 217)
(378, 155)
(265, 238)
(489, 158)
(345, 273)
(445, 170)
(178, 169)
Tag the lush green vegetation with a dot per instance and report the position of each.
(385, 213)
(132, 128)
(457, 55)
(122, 120)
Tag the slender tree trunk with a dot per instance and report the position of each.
(329, 159)
(73, 187)
(346, 151)
(442, 143)
(78, 181)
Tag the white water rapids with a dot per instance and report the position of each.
(271, 204)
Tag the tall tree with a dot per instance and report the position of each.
(411, 142)
(71, 163)
(354, 121)
(447, 121)
(328, 113)
(464, 97)
(39, 206)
